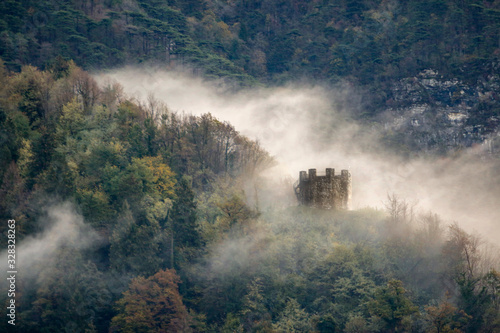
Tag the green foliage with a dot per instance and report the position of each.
(31, 89)
(105, 34)
(360, 41)
(491, 283)
(392, 305)
(293, 319)
(183, 227)
(165, 190)
(474, 300)
(254, 313)
(71, 120)
(135, 243)
(12, 199)
(232, 324)
(71, 294)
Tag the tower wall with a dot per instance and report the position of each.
(327, 192)
(346, 188)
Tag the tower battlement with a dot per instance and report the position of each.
(328, 192)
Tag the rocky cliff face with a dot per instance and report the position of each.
(432, 114)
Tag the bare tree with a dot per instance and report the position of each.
(466, 250)
(86, 87)
(400, 211)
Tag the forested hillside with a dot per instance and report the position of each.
(132, 171)
(370, 42)
(132, 218)
(383, 49)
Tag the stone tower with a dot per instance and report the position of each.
(327, 192)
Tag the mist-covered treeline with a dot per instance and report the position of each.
(134, 218)
(100, 184)
(416, 59)
(304, 270)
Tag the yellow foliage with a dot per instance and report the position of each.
(72, 119)
(224, 30)
(164, 177)
(25, 157)
(117, 147)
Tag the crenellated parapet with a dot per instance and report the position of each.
(328, 192)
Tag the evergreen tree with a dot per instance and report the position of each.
(183, 216)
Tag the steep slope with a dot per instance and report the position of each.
(363, 41)
(381, 48)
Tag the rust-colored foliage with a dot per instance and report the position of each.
(446, 318)
(152, 305)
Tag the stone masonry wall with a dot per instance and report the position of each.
(327, 192)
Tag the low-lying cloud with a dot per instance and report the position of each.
(63, 228)
(302, 128)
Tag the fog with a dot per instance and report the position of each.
(303, 127)
(62, 227)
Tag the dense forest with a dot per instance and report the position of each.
(377, 47)
(133, 217)
(363, 41)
